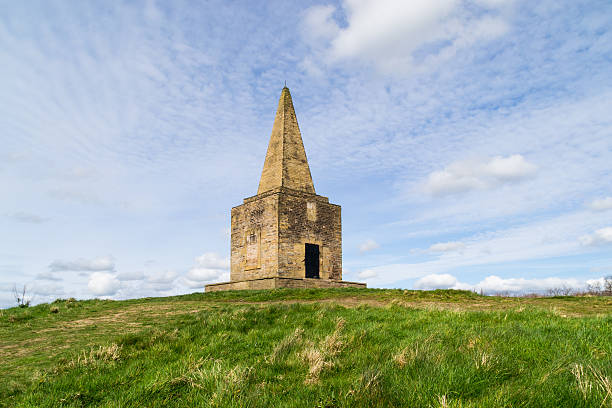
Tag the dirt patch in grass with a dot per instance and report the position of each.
(134, 316)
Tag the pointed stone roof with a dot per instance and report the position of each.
(286, 164)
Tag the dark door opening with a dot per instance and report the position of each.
(311, 260)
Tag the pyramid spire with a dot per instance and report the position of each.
(286, 164)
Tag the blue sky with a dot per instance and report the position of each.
(468, 142)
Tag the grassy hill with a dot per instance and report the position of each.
(309, 348)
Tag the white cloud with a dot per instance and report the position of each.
(164, 277)
(447, 247)
(368, 273)
(598, 283)
(212, 260)
(318, 23)
(46, 289)
(599, 237)
(468, 175)
(601, 204)
(47, 275)
(399, 35)
(104, 263)
(198, 277)
(368, 245)
(204, 274)
(494, 284)
(131, 276)
(435, 281)
(209, 267)
(103, 284)
(509, 168)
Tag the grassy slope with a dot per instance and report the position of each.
(306, 348)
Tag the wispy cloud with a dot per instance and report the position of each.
(447, 247)
(48, 275)
(25, 217)
(104, 263)
(368, 245)
(474, 175)
(367, 274)
(601, 204)
(131, 276)
(165, 277)
(45, 289)
(600, 237)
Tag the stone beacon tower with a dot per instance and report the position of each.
(286, 236)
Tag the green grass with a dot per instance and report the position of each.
(310, 348)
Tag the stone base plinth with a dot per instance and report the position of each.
(275, 283)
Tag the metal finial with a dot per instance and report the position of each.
(285, 83)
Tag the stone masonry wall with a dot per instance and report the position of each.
(259, 259)
(307, 218)
(270, 230)
(275, 283)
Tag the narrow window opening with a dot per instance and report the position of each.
(311, 211)
(252, 238)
